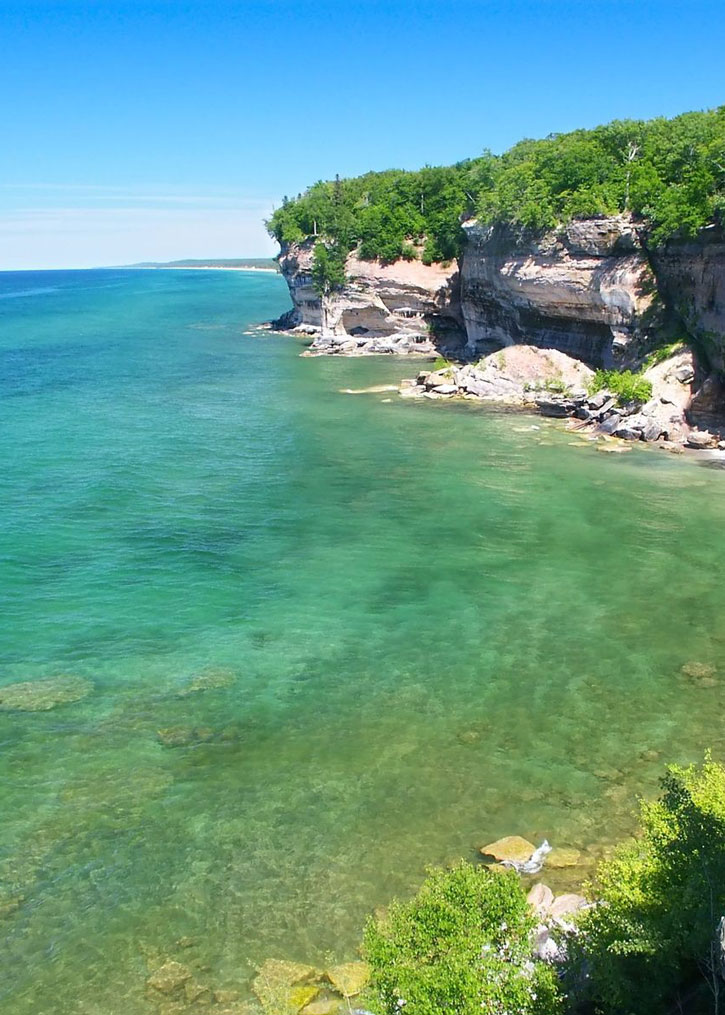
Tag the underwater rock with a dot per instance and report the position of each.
(512, 848)
(700, 674)
(10, 906)
(196, 992)
(226, 996)
(42, 695)
(184, 736)
(285, 987)
(349, 978)
(327, 1006)
(210, 679)
(564, 856)
(169, 978)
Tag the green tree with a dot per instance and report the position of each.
(462, 945)
(328, 268)
(660, 899)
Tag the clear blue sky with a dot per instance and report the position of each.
(135, 131)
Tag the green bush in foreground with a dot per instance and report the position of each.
(627, 386)
(463, 946)
(661, 898)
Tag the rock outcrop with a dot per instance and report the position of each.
(592, 290)
(586, 290)
(691, 282)
(384, 308)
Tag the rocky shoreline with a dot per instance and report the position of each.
(561, 387)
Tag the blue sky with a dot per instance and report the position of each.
(134, 131)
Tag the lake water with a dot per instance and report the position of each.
(429, 624)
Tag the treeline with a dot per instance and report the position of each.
(671, 173)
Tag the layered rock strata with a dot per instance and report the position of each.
(383, 308)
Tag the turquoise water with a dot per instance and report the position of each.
(430, 624)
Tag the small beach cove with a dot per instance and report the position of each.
(305, 643)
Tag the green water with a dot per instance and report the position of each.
(438, 624)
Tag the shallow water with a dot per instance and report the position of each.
(432, 625)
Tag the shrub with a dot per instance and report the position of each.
(627, 386)
(664, 352)
(463, 946)
(661, 897)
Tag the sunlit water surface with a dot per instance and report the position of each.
(434, 625)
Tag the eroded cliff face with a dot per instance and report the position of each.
(591, 289)
(691, 281)
(586, 290)
(383, 307)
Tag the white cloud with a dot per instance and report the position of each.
(93, 226)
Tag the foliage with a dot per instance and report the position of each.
(328, 268)
(670, 173)
(627, 386)
(441, 363)
(662, 353)
(462, 945)
(661, 898)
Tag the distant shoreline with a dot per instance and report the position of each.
(196, 267)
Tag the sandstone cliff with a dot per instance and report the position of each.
(586, 290)
(383, 308)
(591, 289)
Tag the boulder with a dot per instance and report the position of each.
(42, 695)
(652, 430)
(566, 905)
(563, 856)
(511, 847)
(169, 978)
(598, 400)
(284, 987)
(700, 439)
(559, 408)
(438, 378)
(610, 424)
(446, 389)
(326, 1006)
(350, 978)
(540, 899)
(627, 433)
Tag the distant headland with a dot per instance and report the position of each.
(225, 264)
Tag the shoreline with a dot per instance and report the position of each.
(196, 267)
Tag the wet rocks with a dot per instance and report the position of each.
(701, 439)
(563, 856)
(285, 987)
(169, 978)
(43, 695)
(350, 978)
(512, 848)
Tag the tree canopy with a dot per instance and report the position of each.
(670, 173)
